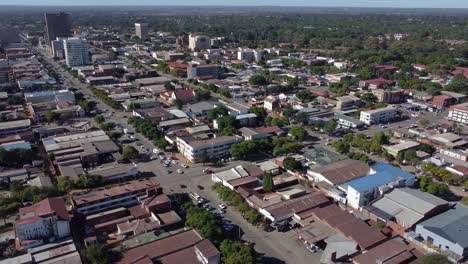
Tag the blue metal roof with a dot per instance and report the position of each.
(20, 145)
(385, 173)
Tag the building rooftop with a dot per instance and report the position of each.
(121, 189)
(47, 206)
(451, 225)
(177, 248)
(385, 174)
(407, 206)
(460, 107)
(212, 141)
(390, 251)
(15, 124)
(404, 145)
(343, 171)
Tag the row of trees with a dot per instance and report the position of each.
(426, 184)
(233, 198)
(84, 181)
(105, 98)
(441, 174)
(149, 130)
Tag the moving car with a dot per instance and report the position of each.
(180, 171)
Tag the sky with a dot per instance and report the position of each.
(311, 3)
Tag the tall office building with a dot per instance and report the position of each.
(141, 30)
(76, 51)
(58, 25)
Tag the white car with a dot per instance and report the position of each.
(184, 165)
(180, 171)
(174, 161)
(222, 206)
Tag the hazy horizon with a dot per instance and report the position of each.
(291, 3)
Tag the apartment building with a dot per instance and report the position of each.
(194, 150)
(207, 71)
(198, 42)
(46, 220)
(378, 116)
(104, 199)
(459, 113)
(393, 96)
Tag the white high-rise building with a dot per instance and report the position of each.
(76, 52)
(141, 30)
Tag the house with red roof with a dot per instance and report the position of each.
(46, 220)
(376, 83)
(460, 70)
(184, 95)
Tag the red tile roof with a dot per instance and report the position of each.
(47, 206)
(343, 171)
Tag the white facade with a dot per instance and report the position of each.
(43, 227)
(458, 115)
(245, 55)
(141, 30)
(378, 116)
(214, 148)
(76, 52)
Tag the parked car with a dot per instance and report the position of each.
(222, 206)
(184, 165)
(180, 171)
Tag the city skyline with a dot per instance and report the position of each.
(318, 3)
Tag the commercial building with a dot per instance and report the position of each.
(184, 247)
(349, 122)
(104, 199)
(14, 127)
(459, 113)
(403, 208)
(339, 172)
(58, 25)
(56, 48)
(207, 71)
(384, 177)
(447, 231)
(442, 101)
(245, 55)
(198, 42)
(391, 251)
(46, 220)
(401, 147)
(50, 96)
(348, 102)
(197, 150)
(76, 52)
(389, 96)
(378, 116)
(141, 30)
(115, 172)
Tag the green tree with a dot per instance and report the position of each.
(217, 112)
(129, 152)
(99, 119)
(65, 184)
(236, 252)
(243, 150)
(297, 132)
(292, 164)
(107, 126)
(433, 259)
(424, 122)
(52, 116)
(268, 185)
(87, 181)
(258, 80)
(381, 138)
(161, 143)
(97, 254)
(341, 146)
(464, 201)
(330, 126)
(205, 223)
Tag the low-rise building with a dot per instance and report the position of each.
(184, 247)
(363, 190)
(378, 116)
(447, 231)
(442, 101)
(113, 197)
(401, 147)
(46, 220)
(207, 71)
(14, 127)
(393, 96)
(115, 172)
(459, 113)
(349, 122)
(198, 150)
(348, 102)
